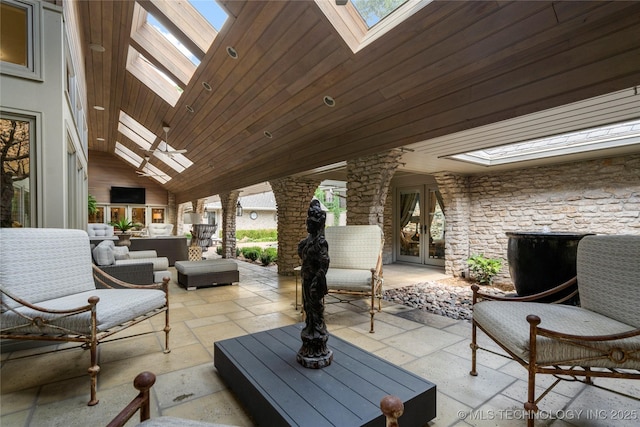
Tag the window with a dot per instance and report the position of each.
(15, 158)
(20, 44)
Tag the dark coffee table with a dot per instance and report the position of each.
(262, 371)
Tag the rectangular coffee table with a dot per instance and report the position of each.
(262, 371)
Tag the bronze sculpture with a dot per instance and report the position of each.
(314, 252)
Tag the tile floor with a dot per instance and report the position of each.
(52, 389)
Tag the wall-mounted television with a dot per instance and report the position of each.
(129, 195)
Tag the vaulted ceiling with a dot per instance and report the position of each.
(451, 66)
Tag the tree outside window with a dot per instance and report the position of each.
(15, 192)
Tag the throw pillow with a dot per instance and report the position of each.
(103, 253)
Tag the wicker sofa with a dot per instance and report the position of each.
(599, 338)
(355, 267)
(131, 266)
(51, 291)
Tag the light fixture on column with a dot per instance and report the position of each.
(238, 209)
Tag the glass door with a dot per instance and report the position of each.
(421, 226)
(409, 225)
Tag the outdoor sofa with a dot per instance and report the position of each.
(51, 291)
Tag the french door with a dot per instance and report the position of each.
(420, 234)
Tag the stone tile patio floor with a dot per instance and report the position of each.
(53, 389)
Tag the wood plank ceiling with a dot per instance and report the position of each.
(450, 66)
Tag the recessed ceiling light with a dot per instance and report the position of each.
(190, 109)
(100, 139)
(96, 47)
(329, 101)
(268, 134)
(207, 86)
(232, 52)
(98, 107)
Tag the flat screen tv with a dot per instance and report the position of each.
(130, 195)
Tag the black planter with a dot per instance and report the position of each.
(541, 261)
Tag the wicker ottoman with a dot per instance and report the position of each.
(196, 274)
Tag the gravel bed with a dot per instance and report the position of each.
(442, 299)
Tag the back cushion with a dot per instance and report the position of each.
(354, 246)
(608, 269)
(38, 264)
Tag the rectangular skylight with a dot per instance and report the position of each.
(128, 155)
(597, 138)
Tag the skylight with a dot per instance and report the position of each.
(211, 11)
(374, 11)
(361, 22)
(136, 132)
(151, 76)
(172, 39)
(598, 138)
(128, 155)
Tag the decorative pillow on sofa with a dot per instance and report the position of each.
(121, 252)
(104, 254)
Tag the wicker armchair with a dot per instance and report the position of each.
(600, 338)
(51, 291)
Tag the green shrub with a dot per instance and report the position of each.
(268, 256)
(484, 269)
(251, 252)
(264, 235)
(219, 250)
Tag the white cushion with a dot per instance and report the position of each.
(115, 307)
(39, 264)
(507, 323)
(159, 229)
(354, 246)
(206, 266)
(99, 230)
(159, 263)
(344, 279)
(103, 253)
(121, 252)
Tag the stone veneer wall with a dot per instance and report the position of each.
(293, 196)
(229, 202)
(368, 180)
(595, 196)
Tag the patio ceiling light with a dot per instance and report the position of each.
(232, 52)
(329, 101)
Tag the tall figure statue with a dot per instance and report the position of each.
(314, 252)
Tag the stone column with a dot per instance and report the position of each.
(293, 196)
(455, 194)
(229, 202)
(368, 180)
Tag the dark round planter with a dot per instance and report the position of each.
(541, 261)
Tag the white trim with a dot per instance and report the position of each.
(35, 54)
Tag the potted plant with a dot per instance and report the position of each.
(123, 224)
(92, 205)
(484, 269)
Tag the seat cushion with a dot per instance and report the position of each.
(159, 263)
(115, 307)
(506, 321)
(206, 266)
(348, 279)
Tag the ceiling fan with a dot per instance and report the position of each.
(166, 151)
(148, 174)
